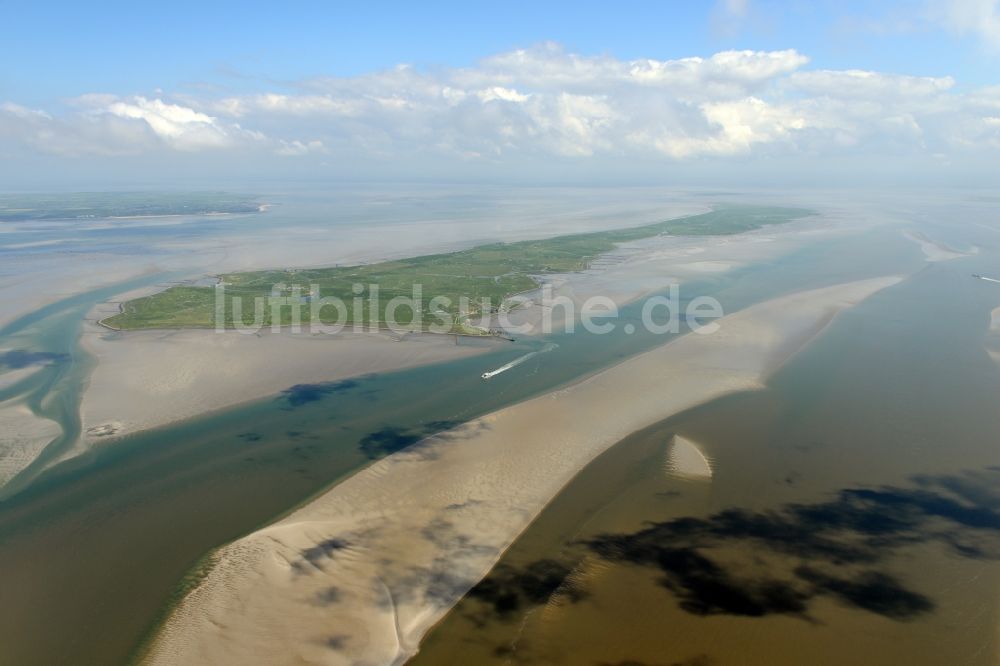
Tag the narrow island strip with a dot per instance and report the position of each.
(359, 574)
(487, 274)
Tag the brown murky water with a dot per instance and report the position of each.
(853, 515)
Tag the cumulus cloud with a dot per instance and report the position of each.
(179, 126)
(101, 124)
(78, 134)
(542, 100)
(548, 67)
(543, 103)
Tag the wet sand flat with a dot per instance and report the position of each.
(145, 379)
(24, 436)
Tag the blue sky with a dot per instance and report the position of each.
(58, 50)
(546, 90)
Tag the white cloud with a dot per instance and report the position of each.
(108, 125)
(495, 93)
(854, 83)
(750, 121)
(573, 125)
(181, 127)
(542, 104)
(291, 104)
(548, 67)
(80, 134)
(23, 112)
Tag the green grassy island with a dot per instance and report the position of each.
(492, 273)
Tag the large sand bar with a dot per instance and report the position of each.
(362, 572)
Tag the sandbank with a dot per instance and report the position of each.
(11, 377)
(25, 435)
(362, 572)
(935, 251)
(686, 460)
(145, 379)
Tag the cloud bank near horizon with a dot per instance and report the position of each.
(538, 105)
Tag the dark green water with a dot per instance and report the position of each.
(100, 544)
(853, 516)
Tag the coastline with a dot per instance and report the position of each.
(510, 269)
(382, 556)
(106, 426)
(144, 378)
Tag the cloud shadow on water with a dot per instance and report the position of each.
(833, 548)
(303, 394)
(390, 439)
(776, 562)
(508, 590)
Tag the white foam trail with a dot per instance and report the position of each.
(519, 360)
(988, 279)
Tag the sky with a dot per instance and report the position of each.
(726, 93)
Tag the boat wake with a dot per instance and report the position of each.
(519, 360)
